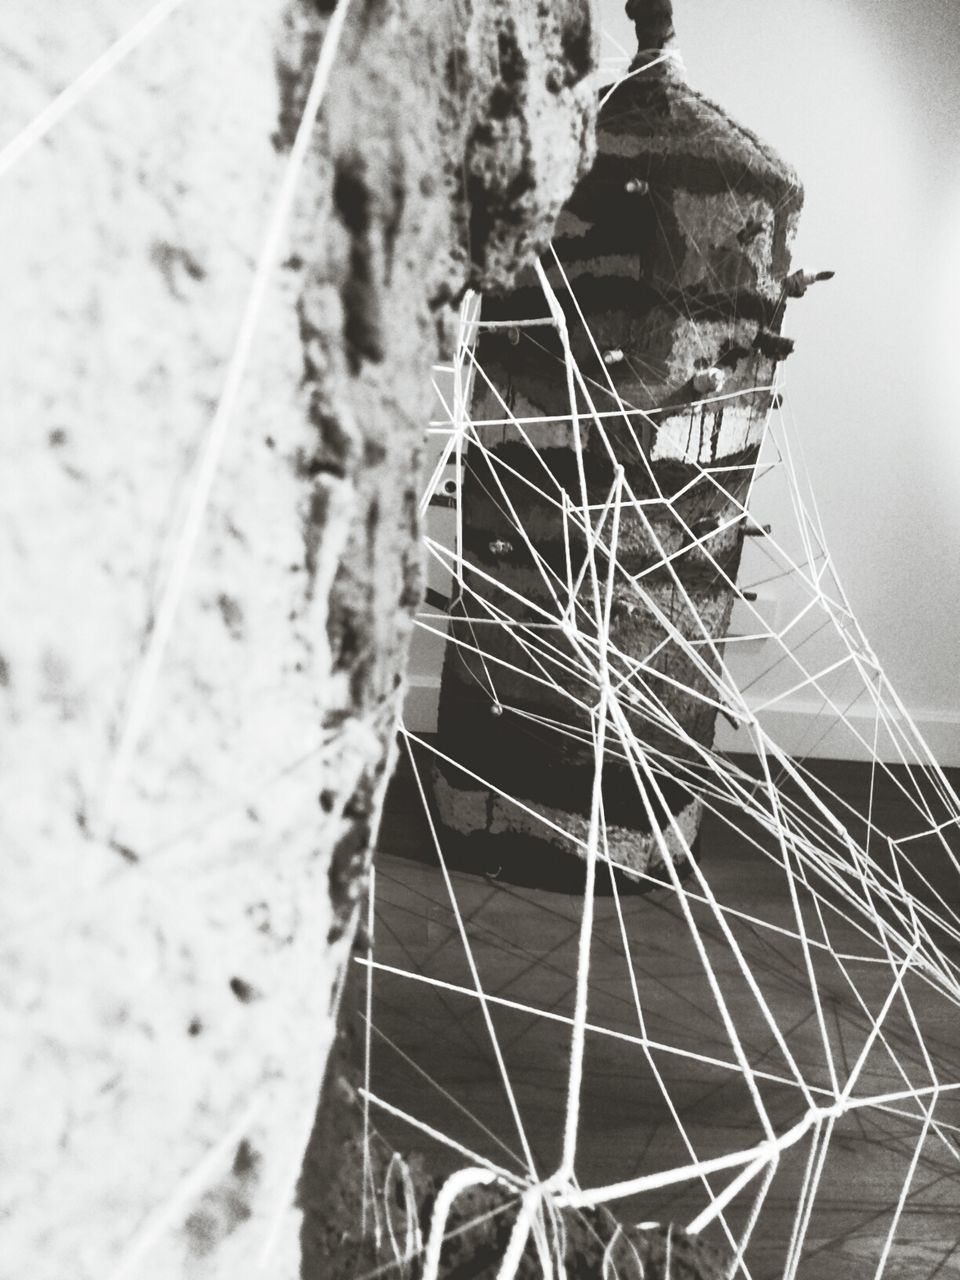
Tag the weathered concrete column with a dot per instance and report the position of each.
(206, 607)
(676, 247)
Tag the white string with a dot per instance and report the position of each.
(138, 708)
(670, 55)
(367, 1175)
(474, 973)
(551, 1015)
(454, 1186)
(171, 1211)
(445, 1093)
(565, 648)
(834, 885)
(444, 1139)
(76, 91)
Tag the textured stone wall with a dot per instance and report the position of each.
(173, 928)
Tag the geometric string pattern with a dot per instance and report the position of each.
(860, 916)
(820, 969)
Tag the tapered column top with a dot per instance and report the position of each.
(653, 20)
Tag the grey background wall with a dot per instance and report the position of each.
(863, 96)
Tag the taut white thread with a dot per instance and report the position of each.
(135, 717)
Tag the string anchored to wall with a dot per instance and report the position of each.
(608, 425)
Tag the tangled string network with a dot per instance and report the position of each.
(757, 1051)
(772, 1030)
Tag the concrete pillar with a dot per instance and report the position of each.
(676, 248)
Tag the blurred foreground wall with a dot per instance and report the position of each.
(209, 559)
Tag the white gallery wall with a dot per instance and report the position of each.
(863, 97)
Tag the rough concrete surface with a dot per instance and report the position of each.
(171, 936)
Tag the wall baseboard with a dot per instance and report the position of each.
(804, 730)
(799, 729)
(420, 703)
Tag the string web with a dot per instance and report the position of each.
(769, 1033)
(769, 1043)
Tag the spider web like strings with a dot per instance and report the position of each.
(818, 856)
(845, 904)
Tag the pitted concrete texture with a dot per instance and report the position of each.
(170, 961)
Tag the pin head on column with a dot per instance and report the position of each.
(703, 527)
(710, 381)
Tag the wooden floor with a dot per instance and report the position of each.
(432, 1054)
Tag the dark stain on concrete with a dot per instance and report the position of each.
(245, 991)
